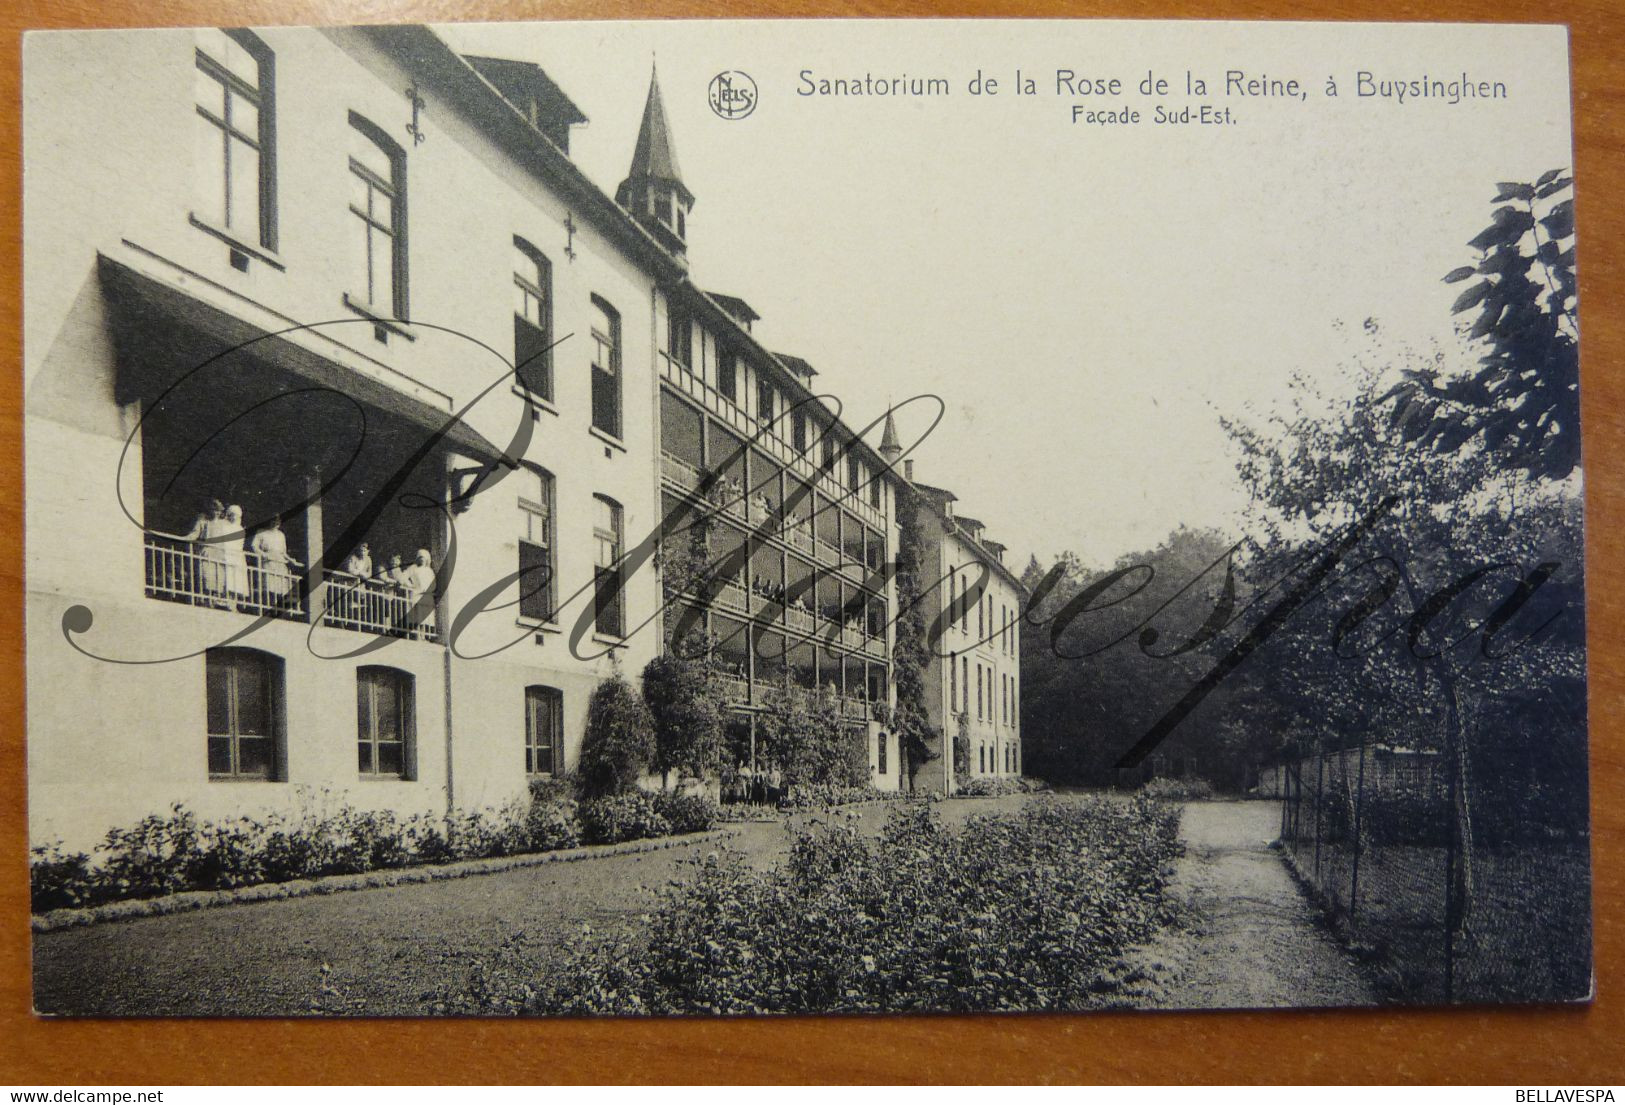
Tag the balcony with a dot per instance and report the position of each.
(377, 606)
(854, 709)
(690, 384)
(876, 647)
(680, 472)
(799, 618)
(735, 691)
(220, 576)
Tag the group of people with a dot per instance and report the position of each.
(232, 569)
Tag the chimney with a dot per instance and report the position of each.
(908, 470)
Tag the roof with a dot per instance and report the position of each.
(888, 436)
(967, 522)
(504, 70)
(797, 365)
(735, 306)
(959, 527)
(655, 156)
(941, 493)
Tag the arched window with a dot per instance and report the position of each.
(385, 716)
(537, 566)
(606, 368)
(243, 689)
(544, 730)
(533, 319)
(236, 123)
(609, 604)
(378, 204)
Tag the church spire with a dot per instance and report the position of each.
(653, 190)
(890, 447)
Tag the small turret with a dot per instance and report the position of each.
(890, 448)
(653, 191)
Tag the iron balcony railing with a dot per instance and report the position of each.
(377, 606)
(690, 383)
(222, 576)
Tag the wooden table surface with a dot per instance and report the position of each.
(1520, 1046)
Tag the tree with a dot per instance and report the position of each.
(619, 743)
(686, 706)
(917, 738)
(1523, 401)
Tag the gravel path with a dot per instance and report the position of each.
(1246, 937)
(389, 951)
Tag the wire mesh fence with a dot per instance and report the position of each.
(1451, 891)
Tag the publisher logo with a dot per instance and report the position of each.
(732, 94)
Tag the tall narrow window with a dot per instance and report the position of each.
(384, 722)
(882, 754)
(608, 601)
(728, 375)
(237, 135)
(964, 679)
(606, 368)
(953, 683)
(764, 400)
(680, 337)
(798, 432)
(544, 722)
(532, 319)
(978, 692)
(874, 492)
(854, 472)
(536, 565)
(243, 689)
(378, 202)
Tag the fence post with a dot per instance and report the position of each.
(1359, 828)
(1450, 888)
(1320, 805)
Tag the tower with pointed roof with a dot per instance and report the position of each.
(653, 191)
(890, 448)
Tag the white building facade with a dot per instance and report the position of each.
(292, 271)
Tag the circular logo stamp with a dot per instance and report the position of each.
(732, 94)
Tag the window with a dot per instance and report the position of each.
(981, 619)
(981, 759)
(378, 202)
(874, 492)
(532, 319)
(728, 375)
(243, 689)
(606, 368)
(953, 683)
(237, 135)
(798, 432)
(764, 401)
(384, 722)
(854, 472)
(978, 692)
(680, 337)
(828, 463)
(882, 756)
(608, 607)
(544, 724)
(964, 679)
(536, 583)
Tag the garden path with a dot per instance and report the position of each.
(1246, 935)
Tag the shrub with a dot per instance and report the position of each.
(687, 711)
(1178, 790)
(617, 817)
(1025, 910)
(687, 813)
(810, 795)
(619, 741)
(58, 879)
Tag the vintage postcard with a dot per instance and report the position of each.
(803, 517)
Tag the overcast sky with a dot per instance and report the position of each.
(1085, 299)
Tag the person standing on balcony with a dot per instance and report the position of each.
(271, 550)
(417, 581)
(209, 526)
(234, 550)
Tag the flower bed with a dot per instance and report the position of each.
(997, 788)
(178, 852)
(1022, 910)
(819, 795)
